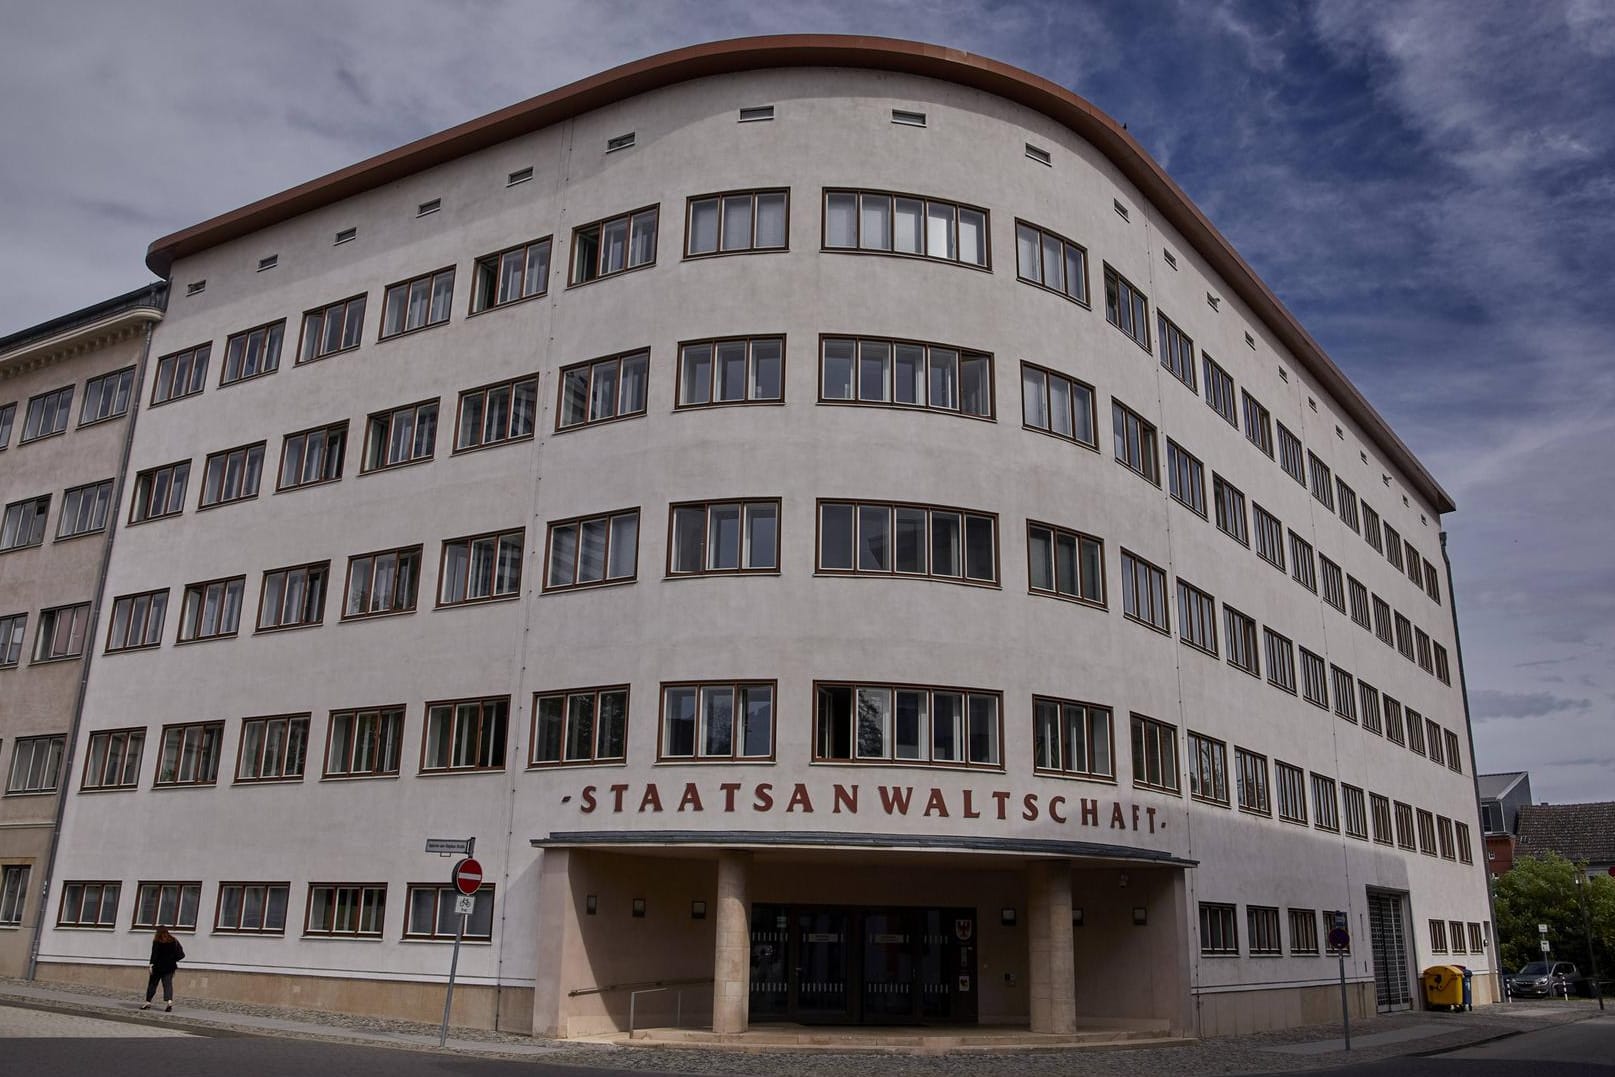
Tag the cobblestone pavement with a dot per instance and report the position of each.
(1227, 1055)
(18, 1023)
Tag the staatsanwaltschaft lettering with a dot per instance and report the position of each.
(763, 798)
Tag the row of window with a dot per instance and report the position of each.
(106, 396)
(331, 910)
(1219, 932)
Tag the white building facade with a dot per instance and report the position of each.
(834, 522)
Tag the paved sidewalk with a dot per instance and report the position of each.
(1292, 1050)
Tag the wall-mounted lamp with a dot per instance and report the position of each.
(1141, 916)
(1006, 916)
(639, 908)
(698, 910)
(591, 904)
(1076, 917)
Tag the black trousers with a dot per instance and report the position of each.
(166, 977)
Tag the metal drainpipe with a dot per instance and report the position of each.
(1474, 767)
(89, 652)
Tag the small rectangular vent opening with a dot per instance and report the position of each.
(1250, 341)
(196, 287)
(1039, 154)
(1121, 210)
(426, 208)
(347, 235)
(1171, 259)
(907, 118)
(1212, 301)
(757, 114)
(620, 142)
(268, 263)
(521, 175)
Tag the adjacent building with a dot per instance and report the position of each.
(833, 520)
(1501, 798)
(66, 393)
(1581, 833)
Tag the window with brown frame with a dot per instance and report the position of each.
(1303, 563)
(1332, 582)
(1197, 618)
(589, 551)
(1427, 832)
(1056, 404)
(1177, 350)
(382, 582)
(1219, 390)
(166, 904)
(906, 374)
(736, 222)
(1303, 931)
(1155, 754)
(511, 275)
(24, 524)
(1135, 441)
(1280, 660)
(251, 909)
(331, 329)
(1346, 503)
(36, 765)
(1379, 808)
(730, 720)
(1356, 811)
(1465, 855)
(1208, 769)
(273, 749)
(1414, 561)
(717, 537)
(1051, 261)
(465, 734)
(579, 726)
(1127, 309)
(312, 457)
(159, 492)
(1359, 602)
(881, 222)
(8, 416)
(47, 414)
(1323, 483)
(14, 892)
(61, 633)
(1292, 458)
(401, 435)
(211, 610)
(615, 245)
(232, 475)
(1292, 792)
(1455, 759)
(1325, 803)
(1421, 646)
(1382, 621)
(496, 414)
(1372, 533)
(89, 904)
(1250, 771)
(1219, 930)
(1065, 564)
(1230, 501)
(1144, 593)
(1443, 672)
(252, 353)
(1072, 739)
(13, 629)
(418, 303)
(1449, 851)
(1258, 424)
(1393, 547)
(432, 916)
(885, 538)
(601, 390)
(364, 743)
(862, 722)
(733, 370)
(1269, 536)
(1415, 726)
(1435, 742)
(84, 510)
(190, 754)
(1265, 940)
(180, 374)
(1404, 637)
(113, 759)
(294, 597)
(1432, 583)
(481, 568)
(1404, 825)
(1368, 695)
(1186, 478)
(107, 396)
(354, 910)
(1314, 679)
(1240, 632)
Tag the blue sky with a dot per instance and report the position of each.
(1429, 186)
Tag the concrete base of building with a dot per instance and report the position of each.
(910, 1040)
(508, 1009)
(1237, 1013)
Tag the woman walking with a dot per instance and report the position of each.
(166, 954)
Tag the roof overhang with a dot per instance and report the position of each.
(819, 841)
(79, 338)
(822, 50)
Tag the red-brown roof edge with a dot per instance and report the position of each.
(822, 50)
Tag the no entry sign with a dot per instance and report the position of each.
(466, 876)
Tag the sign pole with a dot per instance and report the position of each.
(454, 964)
(1345, 1010)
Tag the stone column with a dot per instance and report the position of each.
(731, 964)
(557, 930)
(1051, 975)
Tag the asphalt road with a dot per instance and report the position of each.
(1583, 1049)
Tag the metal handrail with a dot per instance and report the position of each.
(640, 985)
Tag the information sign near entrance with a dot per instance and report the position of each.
(467, 879)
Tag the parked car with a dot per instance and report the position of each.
(1544, 979)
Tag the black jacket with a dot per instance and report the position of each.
(166, 956)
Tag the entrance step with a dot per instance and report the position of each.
(905, 1041)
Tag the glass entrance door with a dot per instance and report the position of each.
(888, 986)
(822, 950)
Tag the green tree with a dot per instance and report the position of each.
(1543, 890)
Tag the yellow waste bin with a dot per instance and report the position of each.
(1443, 986)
